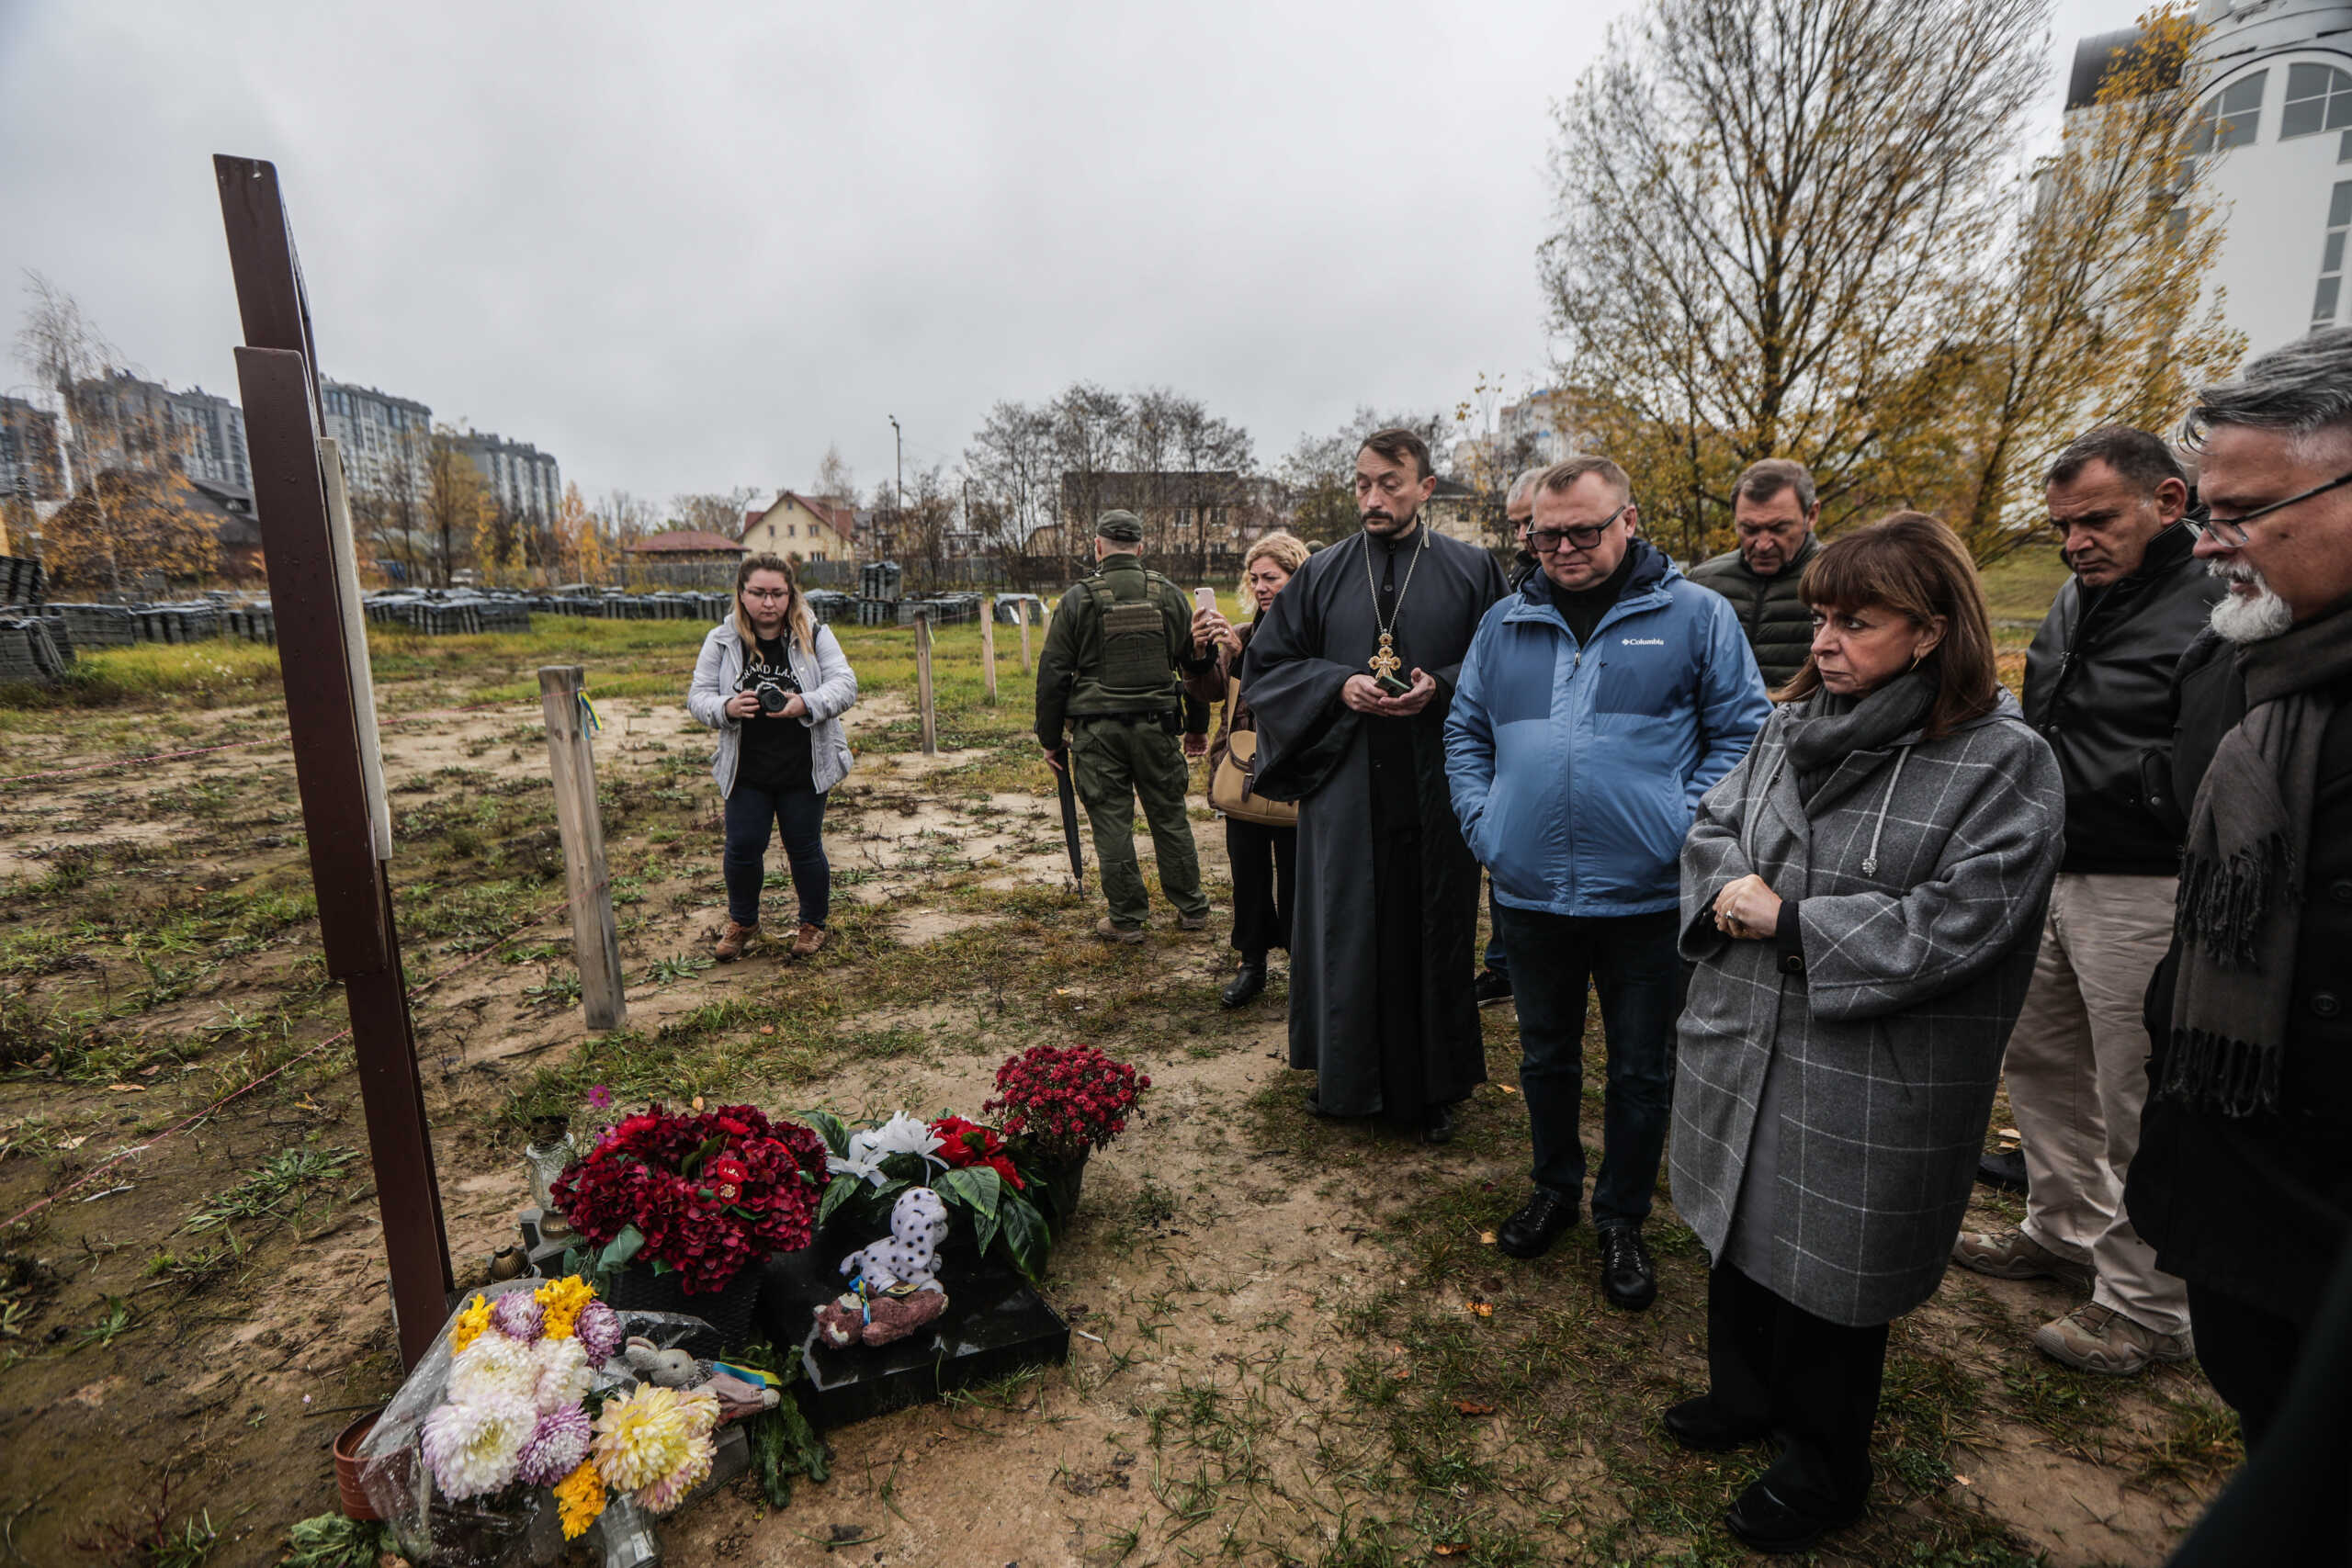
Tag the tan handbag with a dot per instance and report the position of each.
(1236, 770)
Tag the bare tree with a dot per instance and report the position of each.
(1318, 474)
(836, 482)
(713, 512)
(1767, 212)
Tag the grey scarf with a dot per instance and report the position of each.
(1822, 731)
(2241, 873)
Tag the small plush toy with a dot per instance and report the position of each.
(917, 1225)
(876, 1316)
(664, 1369)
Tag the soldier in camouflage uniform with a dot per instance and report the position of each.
(1111, 669)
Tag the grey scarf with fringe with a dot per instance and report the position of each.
(2241, 874)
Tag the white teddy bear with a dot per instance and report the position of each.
(917, 1225)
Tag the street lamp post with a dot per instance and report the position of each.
(898, 481)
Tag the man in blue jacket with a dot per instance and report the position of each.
(1596, 705)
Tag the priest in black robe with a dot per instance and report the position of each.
(1380, 974)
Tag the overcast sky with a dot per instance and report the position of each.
(684, 248)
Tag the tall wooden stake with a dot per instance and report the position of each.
(987, 649)
(1024, 608)
(595, 943)
(922, 684)
(334, 742)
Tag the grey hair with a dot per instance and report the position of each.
(2304, 389)
(1522, 488)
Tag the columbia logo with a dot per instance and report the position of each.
(1643, 641)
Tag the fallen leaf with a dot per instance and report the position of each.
(767, 1029)
(2007, 1132)
(1402, 1374)
(1450, 1548)
(126, 1088)
(151, 1071)
(73, 1142)
(1483, 1309)
(1472, 1408)
(1502, 1089)
(1963, 1481)
(1486, 1238)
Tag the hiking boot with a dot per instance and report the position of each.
(1628, 1277)
(808, 940)
(1199, 922)
(733, 941)
(2093, 1338)
(1491, 987)
(1247, 982)
(2013, 1254)
(1108, 931)
(1531, 1232)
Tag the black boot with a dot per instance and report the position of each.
(1539, 1221)
(1248, 981)
(1628, 1277)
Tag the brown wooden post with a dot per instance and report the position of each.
(922, 684)
(333, 740)
(988, 647)
(1024, 608)
(596, 943)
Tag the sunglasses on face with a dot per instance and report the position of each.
(1545, 541)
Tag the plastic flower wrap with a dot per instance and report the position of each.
(473, 1447)
(560, 1303)
(557, 1446)
(647, 1435)
(600, 1333)
(517, 1315)
(470, 1324)
(564, 1376)
(494, 1364)
(579, 1498)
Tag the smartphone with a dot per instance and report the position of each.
(1203, 599)
(1392, 686)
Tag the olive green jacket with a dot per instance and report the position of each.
(1067, 686)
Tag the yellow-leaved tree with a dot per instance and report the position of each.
(457, 507)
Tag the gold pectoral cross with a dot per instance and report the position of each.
(1386, 661)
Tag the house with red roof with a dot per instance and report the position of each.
(685, 547)
(802, 528)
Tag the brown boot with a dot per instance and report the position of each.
(807, 941)
(733, 941)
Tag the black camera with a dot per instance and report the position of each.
(772, 695)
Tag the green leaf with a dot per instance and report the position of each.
(978, 1186)
(620, 1249)
(708, 1151)
(829, 1128)
(984, 1229)
(840, 1194)
(1026, 1236)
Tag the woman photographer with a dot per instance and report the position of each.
(1261, 852)
(773, 684)
(1862, 897)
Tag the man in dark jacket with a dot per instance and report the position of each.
(2098, 688)
(1773, 508)
(2243, 1179)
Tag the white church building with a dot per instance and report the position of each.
(2274, 131)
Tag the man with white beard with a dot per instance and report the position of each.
(2242, 1181)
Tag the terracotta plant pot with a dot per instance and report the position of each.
(347, 1467)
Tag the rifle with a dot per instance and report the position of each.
(1070, 821)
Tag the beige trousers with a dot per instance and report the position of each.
(2077, 1074)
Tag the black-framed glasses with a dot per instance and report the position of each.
(767, 593)
(2237, 525)
(1544, 541)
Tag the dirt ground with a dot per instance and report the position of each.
(1296, 1343)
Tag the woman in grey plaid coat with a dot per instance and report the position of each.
(1862, 896)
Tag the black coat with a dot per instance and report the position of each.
(2259, 1206)
(1778, 621)
(2098, 688)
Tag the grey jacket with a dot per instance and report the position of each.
(827, 684)
(1921, 871)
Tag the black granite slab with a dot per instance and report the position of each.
(995, 1325)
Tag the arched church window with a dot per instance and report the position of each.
(2230, 117)
(2319, 98)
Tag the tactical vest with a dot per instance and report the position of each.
(1132, 668)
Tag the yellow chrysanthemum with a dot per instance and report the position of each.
(579, 1498)
(559, 1302)
(470, 1324)
(644, 1434)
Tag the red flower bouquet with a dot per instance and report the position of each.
(702, 1193)
(963, 1144)
(1063, 1101)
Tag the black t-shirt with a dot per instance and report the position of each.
(775, 750)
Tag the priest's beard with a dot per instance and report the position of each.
(1387, 525)
(2244, 619)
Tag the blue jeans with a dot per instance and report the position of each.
(801, 814)
(1631, 961)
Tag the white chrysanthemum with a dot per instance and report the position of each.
(473, 1448)
(494, 1364)
(869, 1146)
(564, 1377)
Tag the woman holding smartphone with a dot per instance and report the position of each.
(1262, 853)
(773, 684)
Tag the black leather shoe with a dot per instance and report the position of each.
(1699, 1425)
(1247, 982)
(1531, 1232)
(1437, 1125)
(2003, 1172)
(1628, 1277)
(1491, 987)
(1764, 1523)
